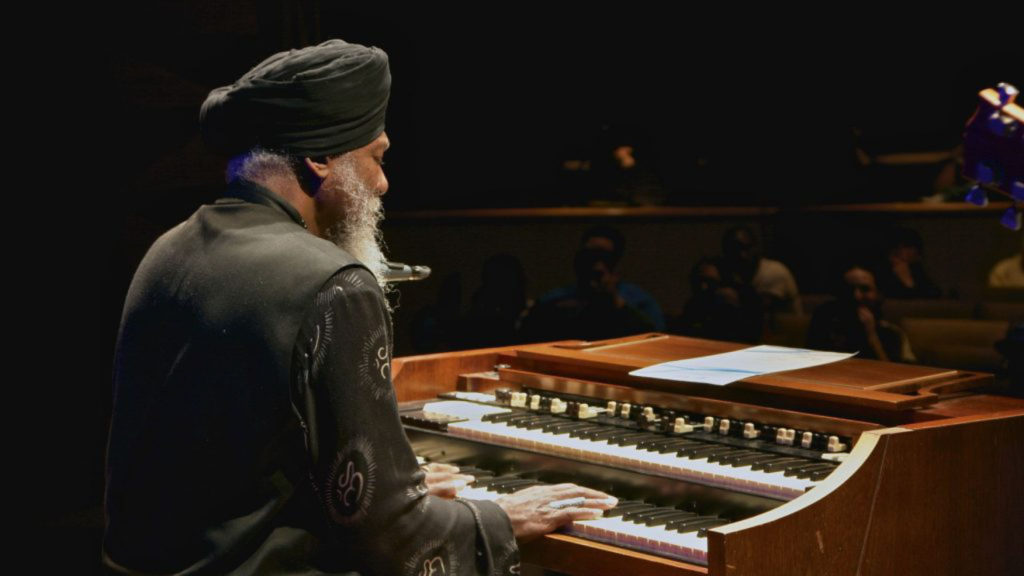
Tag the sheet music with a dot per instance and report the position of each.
(721, 369)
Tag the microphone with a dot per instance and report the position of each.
(398, 272)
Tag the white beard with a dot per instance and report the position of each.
(358, 233)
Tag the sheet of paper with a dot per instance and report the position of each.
(721, 369)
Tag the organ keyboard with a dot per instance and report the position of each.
(633, 524)
(819, 470)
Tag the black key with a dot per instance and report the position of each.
(695, 524)
(781, 464)
(696, 519)
(515, 420)
(751, 459)
(675, 445)
(640, 516)
(627, 506)
(574, 427)
(630, 503)
(703, 532)
(820, 475)
(665, 519)
(721, 456)
(563, 427)
(738, 453)
(500, 417)
(760, 465)
(536, 421)
(798, 468)
(488, 482)
(654, 442)
(623, 432)
(512, 485)
(628, 439)
(581, 432)
(522, 414)
(651, 437)
(672, 441)
(599, 435)
(697, 452)
(549, 421)
(805, 471)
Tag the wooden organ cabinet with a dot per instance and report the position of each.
(856, 467)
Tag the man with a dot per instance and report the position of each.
(902, 275)
(743, 265)
(718, 310)
(853, 322)
(255, 428)
(599, 305)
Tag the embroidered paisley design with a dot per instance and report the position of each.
(375, 364)
(433, 567)
(435, 558)
(350, 484)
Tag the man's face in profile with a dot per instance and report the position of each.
(348, 203)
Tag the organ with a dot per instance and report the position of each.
(855, 467)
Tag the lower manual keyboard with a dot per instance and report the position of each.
(664, 531)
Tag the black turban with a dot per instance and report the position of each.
(318, 101)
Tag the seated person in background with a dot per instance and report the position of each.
(902, 275)
(718, 310)
(742, 264)
(1008, 273)
(599, 305)
(853, 322)
(438, 327)
(497, 310)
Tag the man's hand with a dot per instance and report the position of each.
(444, 480)
(531, 513)
(867, 320)
(604, 290)
(900, 262)
(870, 324)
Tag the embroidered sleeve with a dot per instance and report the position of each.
(381, 521)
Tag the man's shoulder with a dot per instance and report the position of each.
(353, 281)
(245, 223)
(557, 294)
(1011, 264)
(769, 266)
(632, 292)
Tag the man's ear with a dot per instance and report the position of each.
(318, 167)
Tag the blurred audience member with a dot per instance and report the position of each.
(719, 310)
(1008, 273)
(902, 275)
(743, 265)
(438, 328)
(498, 307)
(599, 305)
(853, 322)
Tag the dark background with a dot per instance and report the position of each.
(737, 109)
